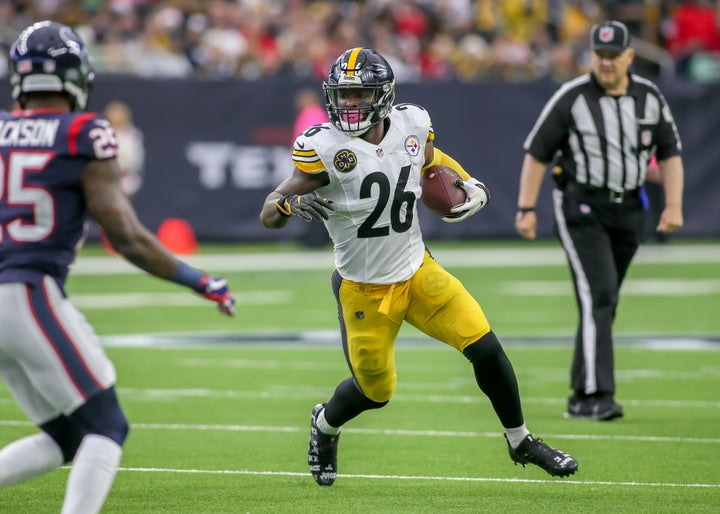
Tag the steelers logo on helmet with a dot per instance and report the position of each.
(345, 160)
(359, 91)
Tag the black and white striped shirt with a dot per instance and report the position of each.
(602, 140)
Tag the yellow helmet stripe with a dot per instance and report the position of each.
(352, 60)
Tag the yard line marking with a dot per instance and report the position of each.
(632, 287)
(547, 374)
(329, 339)
(394, 432)
(457, 258)
(134, 394)
(131, 300)
(680, 404)
(263, 364)
(416, 477)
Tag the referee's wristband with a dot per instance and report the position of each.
(526, 209)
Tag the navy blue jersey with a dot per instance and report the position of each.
(42, 207)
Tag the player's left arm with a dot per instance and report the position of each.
(670, 165)
(672, 174)
(111, 209)
(478, 195)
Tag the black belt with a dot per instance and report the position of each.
(603, 192)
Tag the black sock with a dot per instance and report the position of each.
(495, 376)
(347, 402)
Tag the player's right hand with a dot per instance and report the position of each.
(308, 207)
(216, 290)
(526, 224)
(478, 196)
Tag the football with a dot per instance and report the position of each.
(439, 192)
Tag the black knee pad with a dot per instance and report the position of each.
(102, 415)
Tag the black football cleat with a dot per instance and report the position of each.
(534, 451)
(322, 451)
(596, 408)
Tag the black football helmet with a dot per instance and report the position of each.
(50, 57)
(360, 68)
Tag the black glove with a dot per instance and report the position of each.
(309, 207)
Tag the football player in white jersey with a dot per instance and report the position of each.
(360, 175)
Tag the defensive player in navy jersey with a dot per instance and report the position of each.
(360, 175)
(57, 165)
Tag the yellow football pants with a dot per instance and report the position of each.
(433, 301)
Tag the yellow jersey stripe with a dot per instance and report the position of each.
(309, 167)
(352, 60)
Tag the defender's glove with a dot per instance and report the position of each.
(478, 196)
(216, 290)
(308, 207)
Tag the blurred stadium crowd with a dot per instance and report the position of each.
(424, 40)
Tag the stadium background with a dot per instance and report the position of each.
(219, 407)
(211, 85)
(215, 149)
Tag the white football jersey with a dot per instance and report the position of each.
(375, 189)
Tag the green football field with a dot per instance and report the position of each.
(220, 408)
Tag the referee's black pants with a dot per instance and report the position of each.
(600, 235)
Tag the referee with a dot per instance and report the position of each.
(601, 130)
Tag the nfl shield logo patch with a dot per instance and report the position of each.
(606, 34)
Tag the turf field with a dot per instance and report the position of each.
(220, 408)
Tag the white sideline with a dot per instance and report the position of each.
(112, 301)
(545, 288)
(391, 432)
(143, 395)
(631, 287)
(457, 258)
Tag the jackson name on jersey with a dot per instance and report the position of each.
(42, 209)
(28, 132)
(375, 189)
